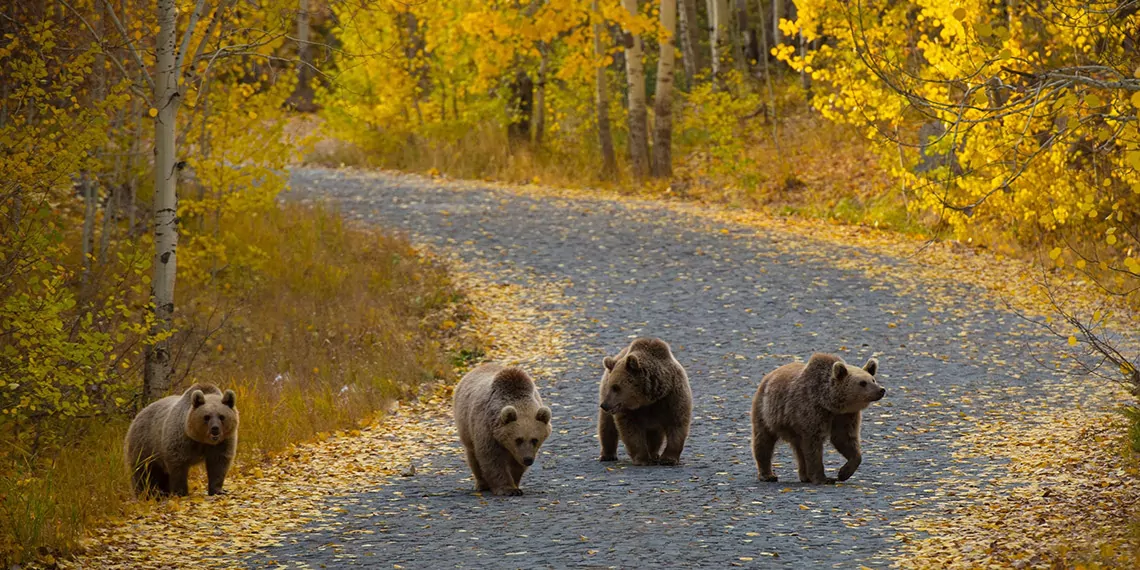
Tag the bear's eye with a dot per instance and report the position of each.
(519, 441)
(616, 389)
(221, 418)
(863, 383)
(207, 418)
(534, 441)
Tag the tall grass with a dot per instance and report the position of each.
(335, 322)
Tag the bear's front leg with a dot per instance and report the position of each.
(674, 444)
(845, 438)
(633, 436)
(607, 435)
(517, 471)
(180, 480)
(654, 441)
(217, 465)
(497, 474)
(476, 471)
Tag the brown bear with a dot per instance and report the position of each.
(173, 434)
(807, 404)
(502, 423)
(646, 401)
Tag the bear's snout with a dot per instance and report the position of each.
(215, 431)
(882, 392)
(528, 461)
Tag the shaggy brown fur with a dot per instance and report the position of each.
(173, 434)
(806, 405)
(502, 423)
(646, 401)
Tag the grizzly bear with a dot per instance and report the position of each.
(502, 424)
(646, 401)
(173, 434)
(807, 404)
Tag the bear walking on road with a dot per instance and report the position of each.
(645, 401)
(502, 424)
(807, 404)
(177, 432)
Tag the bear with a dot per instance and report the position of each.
(645, 400)
(502, 424)
(169, 436)
(807, 404)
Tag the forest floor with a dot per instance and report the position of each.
(989, 449)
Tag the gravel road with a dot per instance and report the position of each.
(734, 302)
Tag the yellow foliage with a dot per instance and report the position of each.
(1009, 139)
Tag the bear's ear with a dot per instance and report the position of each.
(609, 362)
(872, 366)
(632, 364)
(508, 414)
(543, 415)
(197, 398)
(229, 399)
(839, 371)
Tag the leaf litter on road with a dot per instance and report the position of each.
(290, 491)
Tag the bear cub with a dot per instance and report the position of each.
(502, 424)
(177, 432)
(807, 404)
(645, 401)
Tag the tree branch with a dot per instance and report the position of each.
(185, 46)
(130, 45)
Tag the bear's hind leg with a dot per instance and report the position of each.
(812, 451)
(608, 436)
(763, 446)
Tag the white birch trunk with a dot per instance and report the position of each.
(635, 75)
(167, 98)
(691, 55)
(663, 108)
(719, 40)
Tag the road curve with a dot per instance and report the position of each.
(734, 302)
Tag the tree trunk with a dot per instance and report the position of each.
(635, 75)
(522, 105)
(691, 53)
(750, 52)
(663, 108)
(303, 94)
(602, 101)
(777, 13)
(90, 190)
(540, 98)
(167, 98)
(719, 38)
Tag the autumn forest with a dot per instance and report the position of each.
(202, 191)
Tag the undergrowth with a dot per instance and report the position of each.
(339, 321)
